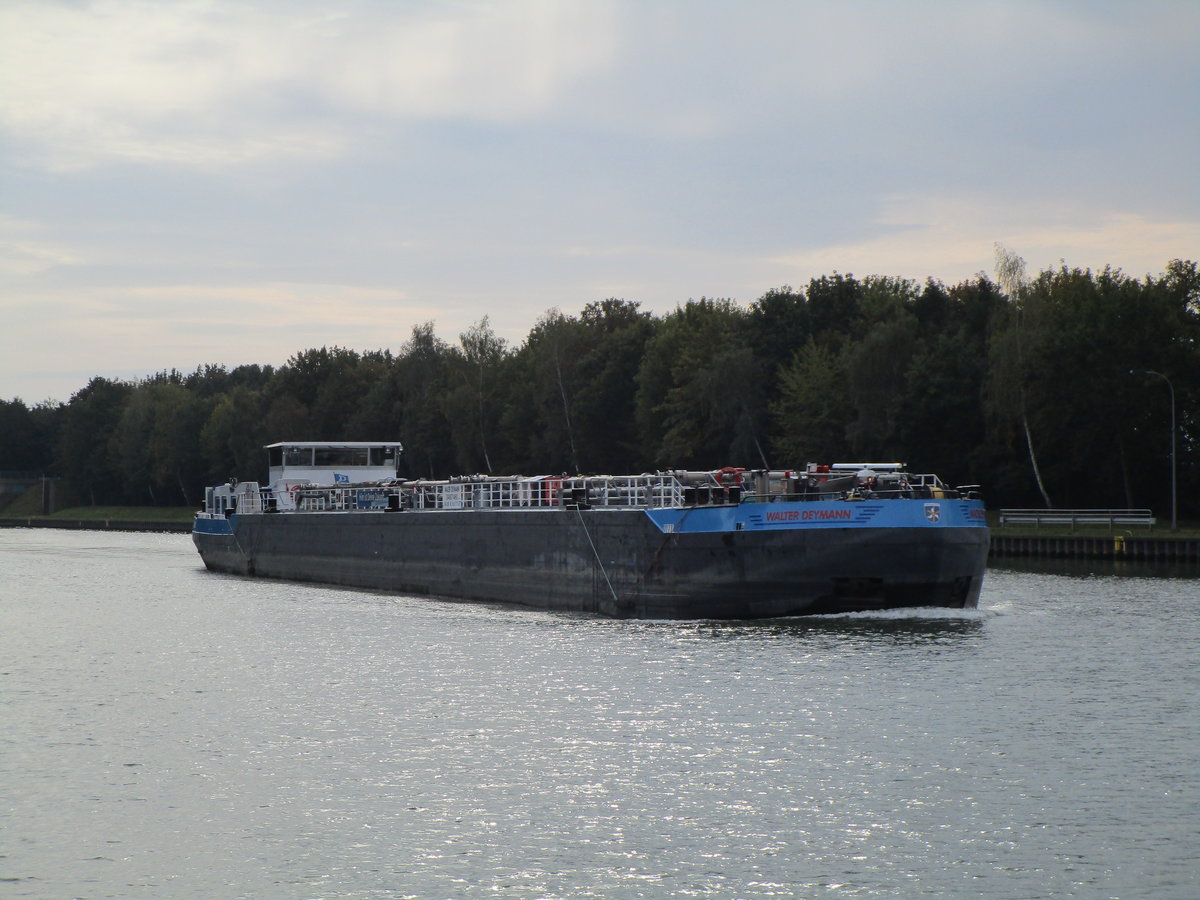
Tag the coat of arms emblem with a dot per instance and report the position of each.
(933, 512)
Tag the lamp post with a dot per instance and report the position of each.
(1171, 388)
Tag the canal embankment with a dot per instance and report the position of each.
(1141, 548)
(25, 512)
(96, 524)
(1006, 543)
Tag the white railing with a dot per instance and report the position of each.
(614, 492)
(662, 489)
(625, 491)
(320, 499)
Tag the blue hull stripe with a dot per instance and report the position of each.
(782, 516)
(817, 515)
(212, 526)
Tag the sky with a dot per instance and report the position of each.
(191, 183)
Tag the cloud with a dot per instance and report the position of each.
(212, 84)
(952, 238)
(498, 62)
(274, 305)
(201, 180)
(25, 251)
(132, 331)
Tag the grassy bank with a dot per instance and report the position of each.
(127, 513)
(28, 506)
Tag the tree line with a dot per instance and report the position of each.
(1034, 388)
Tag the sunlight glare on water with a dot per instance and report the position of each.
(169, 732)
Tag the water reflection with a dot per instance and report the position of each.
(366, 745)
(896, 627)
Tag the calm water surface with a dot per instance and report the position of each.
(165, 732)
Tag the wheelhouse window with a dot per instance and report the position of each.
(341, 456)
(297, 456)
(383, 456)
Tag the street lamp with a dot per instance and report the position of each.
(1171, 388)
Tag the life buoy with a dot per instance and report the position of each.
(730, 475)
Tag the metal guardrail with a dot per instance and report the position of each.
(1074, 517)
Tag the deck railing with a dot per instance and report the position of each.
(623, 492)
(663, 489)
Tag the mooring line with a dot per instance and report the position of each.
(236, 540)
(599, 561)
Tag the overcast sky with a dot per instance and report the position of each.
(231, 182)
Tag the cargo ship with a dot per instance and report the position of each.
(731, 543)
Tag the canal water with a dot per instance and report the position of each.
(165, 732)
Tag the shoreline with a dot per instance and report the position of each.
(1002, 546)
(165, 527)
(1116, 547)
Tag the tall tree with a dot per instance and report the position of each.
(28, 435)
(422, 379)
(471, 403)
(233, 436)
(811, 405)
(940, 423)
(1010, 351)
(877, 363)
(89, 421)
(544, 393)
(701, 389)
(779, 324)
(605, 401)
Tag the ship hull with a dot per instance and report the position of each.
(752, 561)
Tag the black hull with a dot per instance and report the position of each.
(611, 562)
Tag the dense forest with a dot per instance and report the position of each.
(1034, 388)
